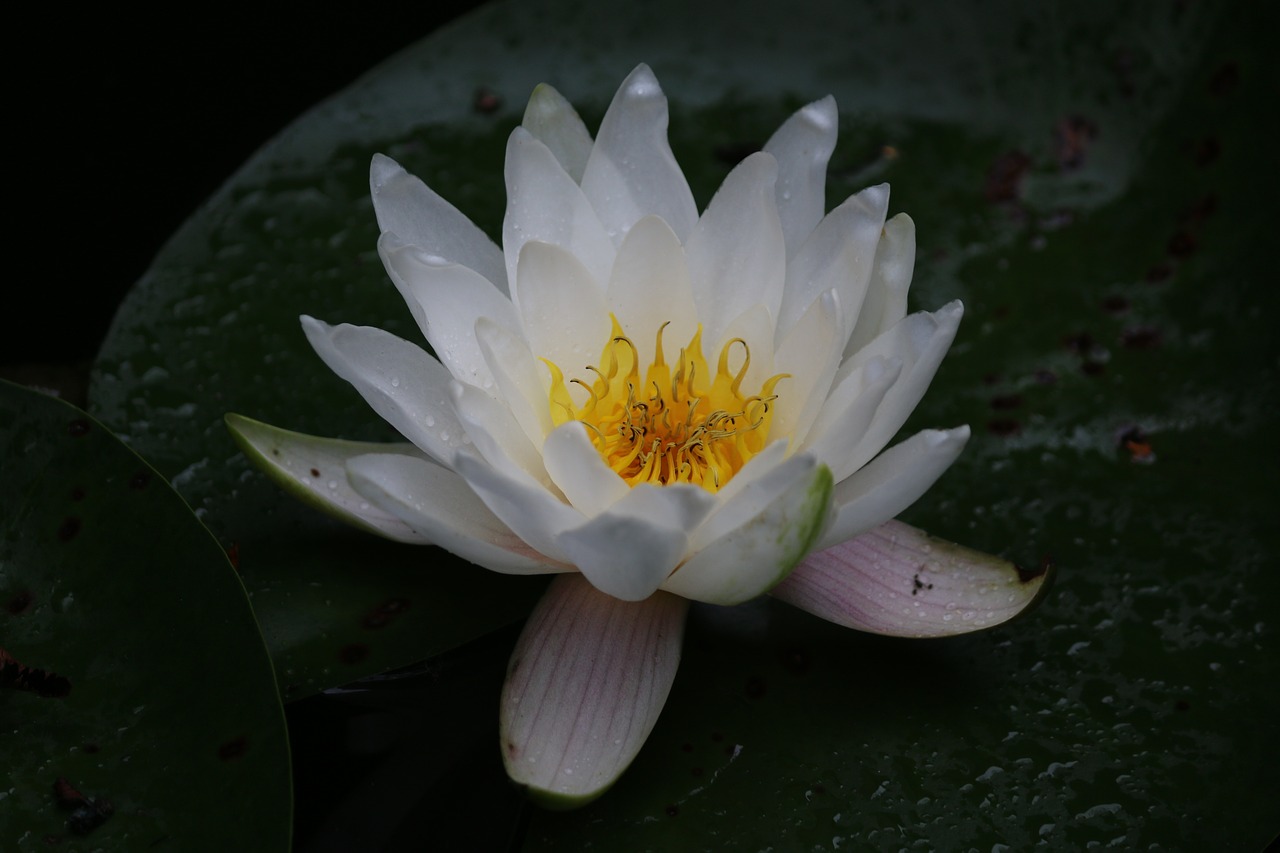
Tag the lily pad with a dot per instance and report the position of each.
(142, 707)
(1083, 180)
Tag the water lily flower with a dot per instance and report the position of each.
(654, 405)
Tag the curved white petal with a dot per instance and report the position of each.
(579, 471)
(900, 581)
(562, 311)
(446, 300)
(650, 286)
(767, 528)
(629, 549)
(406, 387)
(838, 256)
(406, 206)
(809, 355)
(586, 682)
(545, 204)
(886, 301)
(554, 122)
(847, 412)
(313, 469)
(515, 371)
(736, 253)
(494, 431)
(892, 482)
(803, 146)
(523, 504)
(631, 172)
(436, 503)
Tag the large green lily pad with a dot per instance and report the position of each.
(142, 708)
(1084, 179)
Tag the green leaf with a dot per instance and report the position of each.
(137, 673)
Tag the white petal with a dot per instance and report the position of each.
(898, 580)
(446, 300)
(847, 412)
(436, 503)
(531, 511)
(406, 206)
(545, 204)
(736, 253)
(629, 549)
(892, 482)
(495, 432)
(767, 528)
(579, 471)
(406, 387)
(886, 300)
(809, 355)
(563, 313)
(554, 121)
(650, 286)
(803, 146)
(586, 682)
(631, 172)
(921, 341)
(838, 255)
(515, 371)
(313, 469)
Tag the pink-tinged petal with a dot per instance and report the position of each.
(900, 581)
(406, 206)
(779, 516)
(631, 172)
(562, 311)
(803, 146)
(313, 469)
(892, 482)
(522, 503)
(545, 204)
(579, 471)
(628, 550)
(555, 123)
(436, 503)
(406, 387)
(809, 355)
(446, 299)
(736, 254)
(886, 301)
(847, 412)
(586, 682)
(650, 286)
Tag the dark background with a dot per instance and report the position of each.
(128, 124)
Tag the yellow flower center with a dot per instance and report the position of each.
(675, 426)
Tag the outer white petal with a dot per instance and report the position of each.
(900, 581)
(631, 172)
(562, 311)
(313, 469)
(892, 482)
(847, 412)
(515, 371)
(554, 121)
(886, 302)
(629, 549)
(650, 286)
(803, 146)
(436, 503)
(495, 432)
(406, 387)
(736, 253)
(579, 471)
(447, 299)
(778, 518)
(837, 256)
(408, 207)
(522, 503)
(809, 355)
(921, 341)
(545, 204)
(586, 682)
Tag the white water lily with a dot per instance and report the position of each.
(655, 405)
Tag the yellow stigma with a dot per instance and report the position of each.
(681, 426)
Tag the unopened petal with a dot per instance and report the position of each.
(898, 580)
(586, 682)
(886, 301)
(554, 122)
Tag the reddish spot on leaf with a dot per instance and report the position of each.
(1072, 137)
(1003, 427)
(17, 676)
(686, 747)
(486, 101)
(21, 602)
(234, 748)
(87, 814)
(68, 529)
(1141, 337)
(1159, 273)
(233, 555)
(78, 428)
(382, 615)
(1138, 444)
(315, 472)
(1004, 178)
(795, 661)
(1005, 402)
(1115, 305)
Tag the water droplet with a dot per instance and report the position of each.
(395, 382)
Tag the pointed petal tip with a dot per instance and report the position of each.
(382, 169)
